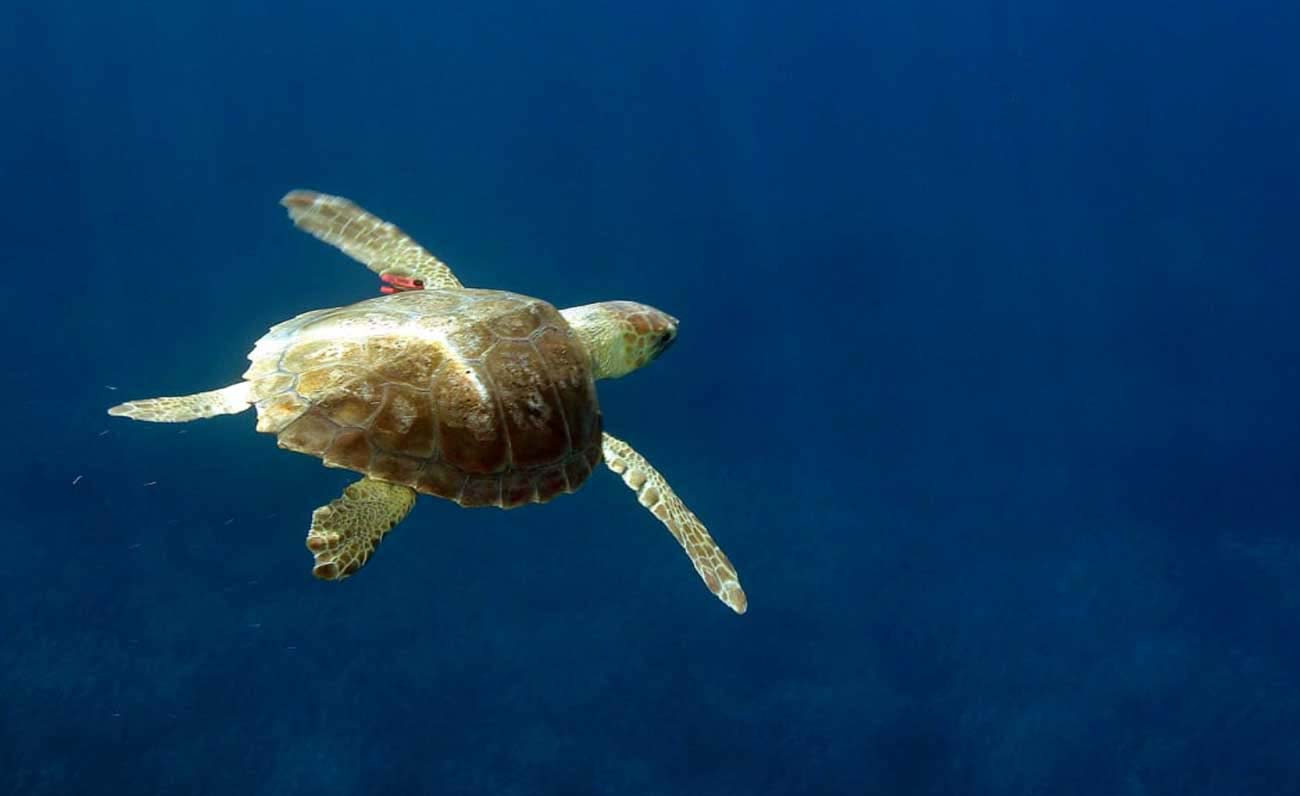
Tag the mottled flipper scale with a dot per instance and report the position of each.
(181, 409)
(346, 532)
(653, 492)
(379, 245)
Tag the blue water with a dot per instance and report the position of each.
(986, 381)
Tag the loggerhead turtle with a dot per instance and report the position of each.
(483, 397)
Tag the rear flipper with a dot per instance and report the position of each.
(345, 533)
(227, 401)
(653, 492)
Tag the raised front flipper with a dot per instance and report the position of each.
(346, 532)
(383, 248)
(653, 492)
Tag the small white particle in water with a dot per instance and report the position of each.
(110, 387)
(227, 522)
(76, 480)
(117, 715)
(150, 483)
(102, 433)
(255, 625)
(136, 546)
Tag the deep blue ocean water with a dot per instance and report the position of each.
(987, 381)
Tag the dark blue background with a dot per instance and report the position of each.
(987, 382)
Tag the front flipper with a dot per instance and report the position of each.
(345, 533)
(383, 248)
(653, 492)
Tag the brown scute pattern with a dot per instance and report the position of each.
(345, 533)
(593, 457)
(576, 470)
(534, 419)
(492, 304)
(353, 402)
(345, 410)
(470, 430)
(324, 381)
(349, 450)
(399, 361)
(517, 324)
(433, 304)
(396, 468)
(478, 396)
(406, 423)
(321, 353)
(470, 341)
(653, 492)
(272, 384)
(274, 414)
(481, 490)
(379, 245)
(518, 488)
(565, 360)
(310, 434)
(441, 480)
(551, 481)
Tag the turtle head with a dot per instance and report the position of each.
(621, 336)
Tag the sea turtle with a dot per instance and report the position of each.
(484, 397)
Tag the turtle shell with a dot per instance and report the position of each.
(479, 396)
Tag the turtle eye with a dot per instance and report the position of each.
(665, 342)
